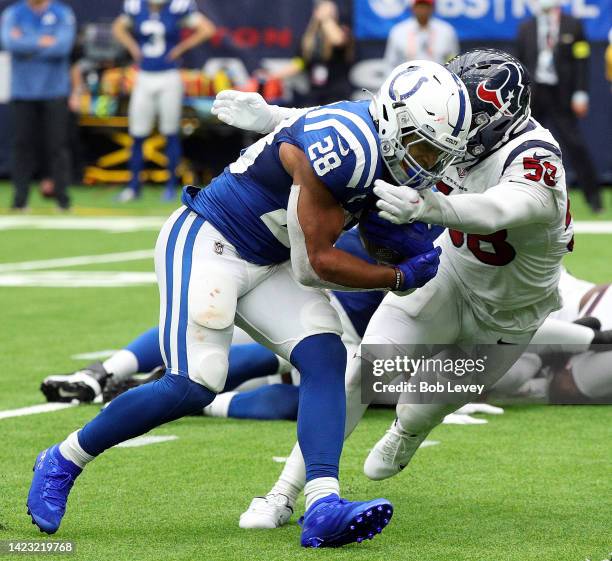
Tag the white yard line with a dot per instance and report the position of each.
(140, 223)
(35, 409)
(78, 260)
(96, 355)
(593, 227)
(145, 441)
(64, 279)
(106, 223)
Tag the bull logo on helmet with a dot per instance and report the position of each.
(503, 90)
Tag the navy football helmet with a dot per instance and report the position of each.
(500, 93)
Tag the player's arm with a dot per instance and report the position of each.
(315, 221)
(12, 37)
(122, 31)
(249, 111)
(61, 42)
(202, 30)
(523, 196)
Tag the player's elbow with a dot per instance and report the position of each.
(311, 270)
(323, 265)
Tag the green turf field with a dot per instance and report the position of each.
(533, 484)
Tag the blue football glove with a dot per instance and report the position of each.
(408, 240)
(419, 270)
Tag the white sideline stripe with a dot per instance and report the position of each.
(35, 409)
(145, 441)
(106, 224)
(95, 355)
(593, 227)
(136, 255)
(60, 279)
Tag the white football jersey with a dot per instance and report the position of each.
(511, 277)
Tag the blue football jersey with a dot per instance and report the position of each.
(157, 33)
(359, 306)
(247, 203)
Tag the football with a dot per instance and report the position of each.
(381, 254)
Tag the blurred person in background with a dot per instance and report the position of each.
(553, 47)
(151, 31)
(326, 56)
(39, 34)
(422, 37)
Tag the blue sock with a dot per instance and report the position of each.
(247, 362)
(321, 360)
(146, 350)
(173, 152)
(136, 163)
(141, 409)
(269, 403)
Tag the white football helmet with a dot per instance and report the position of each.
(421, 101)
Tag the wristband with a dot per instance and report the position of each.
(398, 278)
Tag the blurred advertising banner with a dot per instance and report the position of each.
(478, 19)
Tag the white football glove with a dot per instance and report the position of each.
(454, 419)
(399, 205)
(471, 408)
(244, 110)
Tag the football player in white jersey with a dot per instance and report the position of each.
(507, 211)
(500, 265)
(150, 30)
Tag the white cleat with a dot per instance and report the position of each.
(392, 452)
(269, 512)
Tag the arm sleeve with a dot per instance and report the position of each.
(279, 114)
(507, 205)
(25, 45)
(64, 35)
(518, 199)
(300, 262)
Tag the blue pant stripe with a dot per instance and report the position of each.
(183, 311)
(170, 247)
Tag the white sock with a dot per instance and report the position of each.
(71, 450)
(555, 335)
(121, 365)
(319, 488)
(219, 406)
(293, 477)
(592, 374)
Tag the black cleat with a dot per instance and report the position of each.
(589, 321)
(114, 388)
(83, 385)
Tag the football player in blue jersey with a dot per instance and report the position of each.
(255, 249)
(151, 31)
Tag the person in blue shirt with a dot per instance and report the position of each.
(39, 34)
(256, 249)
(152, 32)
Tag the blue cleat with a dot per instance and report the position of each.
(333, 522)
(53, 478)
